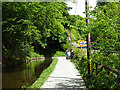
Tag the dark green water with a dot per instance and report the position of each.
(25, 75)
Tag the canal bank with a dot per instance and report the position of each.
(24, 75)
(45, 74)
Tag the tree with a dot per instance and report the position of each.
(105, 34)
(31, 23)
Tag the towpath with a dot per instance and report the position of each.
(65, 75)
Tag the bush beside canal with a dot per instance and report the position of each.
(59, 53)
(34, 55)
(45, 74)
(102, 79)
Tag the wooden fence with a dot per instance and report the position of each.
(108, 70)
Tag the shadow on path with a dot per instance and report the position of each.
(66, 82)
(65, 75)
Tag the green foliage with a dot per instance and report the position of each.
(75, 35)
(38, 20)
(105, 28)
(28, 24)
(78, 27)
(35, 55)
(66, 46)
(46, 24)
(59, 53)
(111, 61)
(45, 74)
(102, 80)
(105, 36)
(79, 53)
(80, 61)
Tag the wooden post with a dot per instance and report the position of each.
(88, 38)
(118, 76)
(89, 47)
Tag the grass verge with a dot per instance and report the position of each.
(45, 74)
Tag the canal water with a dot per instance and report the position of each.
(24, 75)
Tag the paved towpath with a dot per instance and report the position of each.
(65, 75)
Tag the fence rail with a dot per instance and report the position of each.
(107, 68)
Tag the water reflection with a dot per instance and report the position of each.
(24, 75)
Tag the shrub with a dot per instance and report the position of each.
(59, 53)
